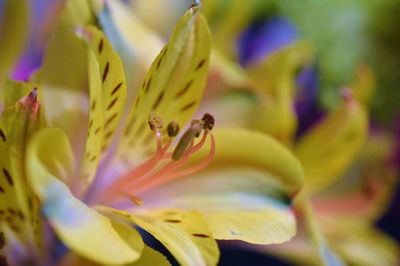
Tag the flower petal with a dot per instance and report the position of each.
(332, 145)
(63, 75)
(81, 228)
(184, 234)
(13, 33)
(173, 86)
(237, 204)
(136, 43)
(107, 89)
(274, 77)
(111, 76)
(259, 151)
(17, 201)
(149, 257)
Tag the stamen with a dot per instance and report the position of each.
(187, 138)
(208, 121)
(173, 129)
(155, 122)
(165, 177)
(146, 176)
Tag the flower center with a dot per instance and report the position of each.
(165, 166)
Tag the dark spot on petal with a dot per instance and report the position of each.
(2, 135)
(8, 177)
(158, 101)
(185, 89)
(201, 235)
(110, 120)
(93, 106)
(100, 47)
(173, 221)
(97, 131)
(105, 73)
(116, 88)
(1, 189)
(148, 85)
(90, 124)
(187, 106)
(200, 64)
(112, 104)
(93, 158)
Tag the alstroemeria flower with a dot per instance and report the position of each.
(186, 192)
(327, 152)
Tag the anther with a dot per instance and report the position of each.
(193, 132)
(155, 122)
(208, 121)
(173, 129)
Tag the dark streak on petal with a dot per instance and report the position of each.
(8, 177)
(93, 106)
(100, 48)
(173, 221)
(201, 235)
(116, 88)
(158, 101)
(93, 158)
(110, 120)
(188, 106)
(185, 89)
(2, 135)
(148, 85)
(105, 73)
(200, 64)
(112, 104)
(1, 189)
(97, 131)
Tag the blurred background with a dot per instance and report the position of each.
(346, 36)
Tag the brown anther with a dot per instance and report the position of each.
(173, 129)
(208, 121)
(155, 122)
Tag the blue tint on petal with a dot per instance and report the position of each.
(263, 38)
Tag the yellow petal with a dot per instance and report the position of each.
(174, 85)
(17, 123)
(136, 43)
(63, 75)
(274, 78)
(13, 33)
(107, 90)
(231, 17)
(252, 149)
(364, 84)
(328, 149)
(359, 243)
(111, 76)
(149, 257)
(237, 204)
(81, 228)
(185, 234)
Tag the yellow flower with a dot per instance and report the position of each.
(96, 171)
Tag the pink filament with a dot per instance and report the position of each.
(142, 169)
(166, 177)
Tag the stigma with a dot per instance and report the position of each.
(170, 160)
